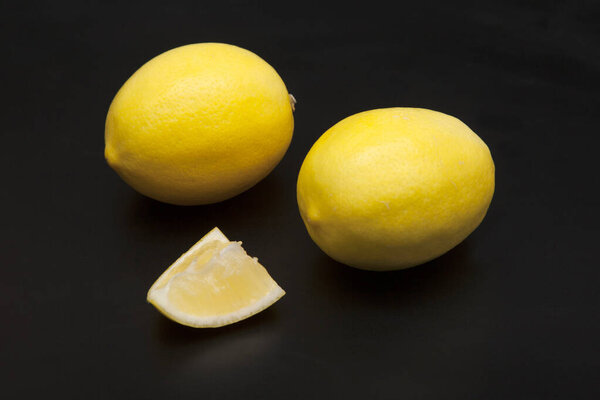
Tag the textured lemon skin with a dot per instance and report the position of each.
(393, 188)
(199, 124)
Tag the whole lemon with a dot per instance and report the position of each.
(199, 124)
(393, 188)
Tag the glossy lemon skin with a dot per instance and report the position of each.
(199, 124)
(393, 188)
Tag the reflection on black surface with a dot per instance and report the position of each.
(436, 278)
(185, 351)
(172, 334)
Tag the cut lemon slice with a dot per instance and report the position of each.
(215, 283)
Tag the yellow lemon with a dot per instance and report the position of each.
(214, 283)
(199, 124)
(393, 188)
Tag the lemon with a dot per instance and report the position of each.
(393, 188)
(214, 283)
(199, 124)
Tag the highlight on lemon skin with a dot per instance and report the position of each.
(199, 124)
(394, 188)
(215, 283)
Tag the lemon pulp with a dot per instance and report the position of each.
(213, 284)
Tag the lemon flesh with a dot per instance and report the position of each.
(213, 284)
(393, 188)
(199, 124)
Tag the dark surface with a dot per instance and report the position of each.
(512, 313)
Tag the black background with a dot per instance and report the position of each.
(512, 313)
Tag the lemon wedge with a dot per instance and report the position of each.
(215, 283)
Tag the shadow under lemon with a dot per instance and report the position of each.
(435, 279)
(254, 206)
